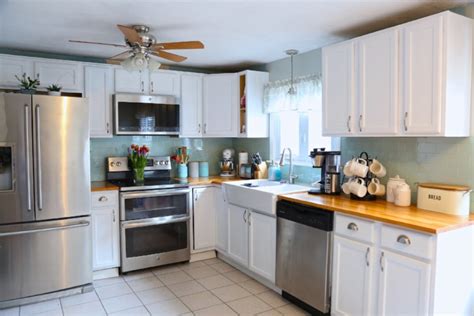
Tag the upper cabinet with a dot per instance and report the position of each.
(98, 89)
(253, 121)
(11, 66)
(191, 105)
(130, 81)
(221, 105)
(69, 75)
(409, 80)
(165, 82)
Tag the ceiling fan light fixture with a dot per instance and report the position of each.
(153, 65)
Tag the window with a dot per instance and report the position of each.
(296, 123)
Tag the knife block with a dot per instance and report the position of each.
(260, 171)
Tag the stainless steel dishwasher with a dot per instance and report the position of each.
(304, 249)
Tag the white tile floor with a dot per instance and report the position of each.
(210, 287)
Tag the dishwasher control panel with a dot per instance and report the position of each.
(306, 215)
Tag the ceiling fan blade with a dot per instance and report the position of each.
(121, 56)
(130, 34)
(169, 56)
(97, 43)
(113, 61)
(179, 45)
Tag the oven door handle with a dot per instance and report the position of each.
(136, 195)
(154, 222)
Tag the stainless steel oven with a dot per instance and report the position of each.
(136, 114)
(155, 227)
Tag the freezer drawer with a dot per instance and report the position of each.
(44, 257)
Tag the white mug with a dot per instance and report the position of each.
(377, 169)
(346, 187)
(358, 187)
(359, 167)
(375, 187)
(347, 168)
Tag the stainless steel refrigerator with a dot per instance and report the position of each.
(45, 230)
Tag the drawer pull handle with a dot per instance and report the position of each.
(103, 199)
(353, 226)
(404, 240)
(367, 256)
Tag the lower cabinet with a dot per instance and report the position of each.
(404, 285)
(238, 234)
(204, 218)
(262, 245)
(352, 276)
(222, 222)
(105, 230)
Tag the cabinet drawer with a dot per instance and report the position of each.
(407, 241)
(354, 228)
(103, 198)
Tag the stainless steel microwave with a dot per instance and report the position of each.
(136, 114)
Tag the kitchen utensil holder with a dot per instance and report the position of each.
(367, 179)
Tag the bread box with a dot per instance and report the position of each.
(444, 198)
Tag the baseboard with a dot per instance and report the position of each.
(104, 274)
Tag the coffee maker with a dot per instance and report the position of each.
(227, 163)
(329, 162)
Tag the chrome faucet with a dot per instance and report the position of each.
(291, 176)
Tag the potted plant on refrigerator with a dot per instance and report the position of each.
(27, 85)
(138, 158)
(54, 89)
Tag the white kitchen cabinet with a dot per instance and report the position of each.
(191, 105)
(338, 89)
(164, 82)
(222, 221)
(130, 81)
(238, 234)
(98, 89)
(253, 121)
(204, 218)
(412, 80)
(105, 230)
(377, 57)
(352, 275)
(404, 285)
(262, 245)
(11, 66)
(220, 105)
(69, 75)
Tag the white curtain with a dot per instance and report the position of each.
(308, 95)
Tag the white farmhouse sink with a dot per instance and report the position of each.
(260, 195)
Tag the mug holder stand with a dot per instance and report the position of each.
(367, 179)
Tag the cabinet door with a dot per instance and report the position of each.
(204, 218)
(221, 104)
(338, 89)
(105, 239)
(238, 234)
(404, 285)
(378, 83)
(422, 76)
(352, 277)
(222, 221)
(98, 90)
(11, 66)
(191, 105)
(164, 82)
(262, 245)
(130, 81)
(66, 74)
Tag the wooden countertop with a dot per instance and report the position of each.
(102, 186)
(210, 180)
(383, 211)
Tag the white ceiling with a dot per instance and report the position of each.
(236, 33)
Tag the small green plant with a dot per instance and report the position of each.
(27, 83)
(54, 87)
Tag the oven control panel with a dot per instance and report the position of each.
(117, 164)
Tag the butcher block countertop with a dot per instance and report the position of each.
(102, 186)
(380, 210)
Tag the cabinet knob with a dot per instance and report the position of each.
(367, 256)
(403, 239)
(103, 199)
(353, 226)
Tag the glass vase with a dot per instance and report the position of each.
(139, 175)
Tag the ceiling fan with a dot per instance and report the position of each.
(141, 45)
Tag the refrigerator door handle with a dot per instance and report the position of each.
(41, 230)
(38, 157)
(27, 145)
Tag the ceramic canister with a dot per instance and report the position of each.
(193, 169)
(203, 169)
